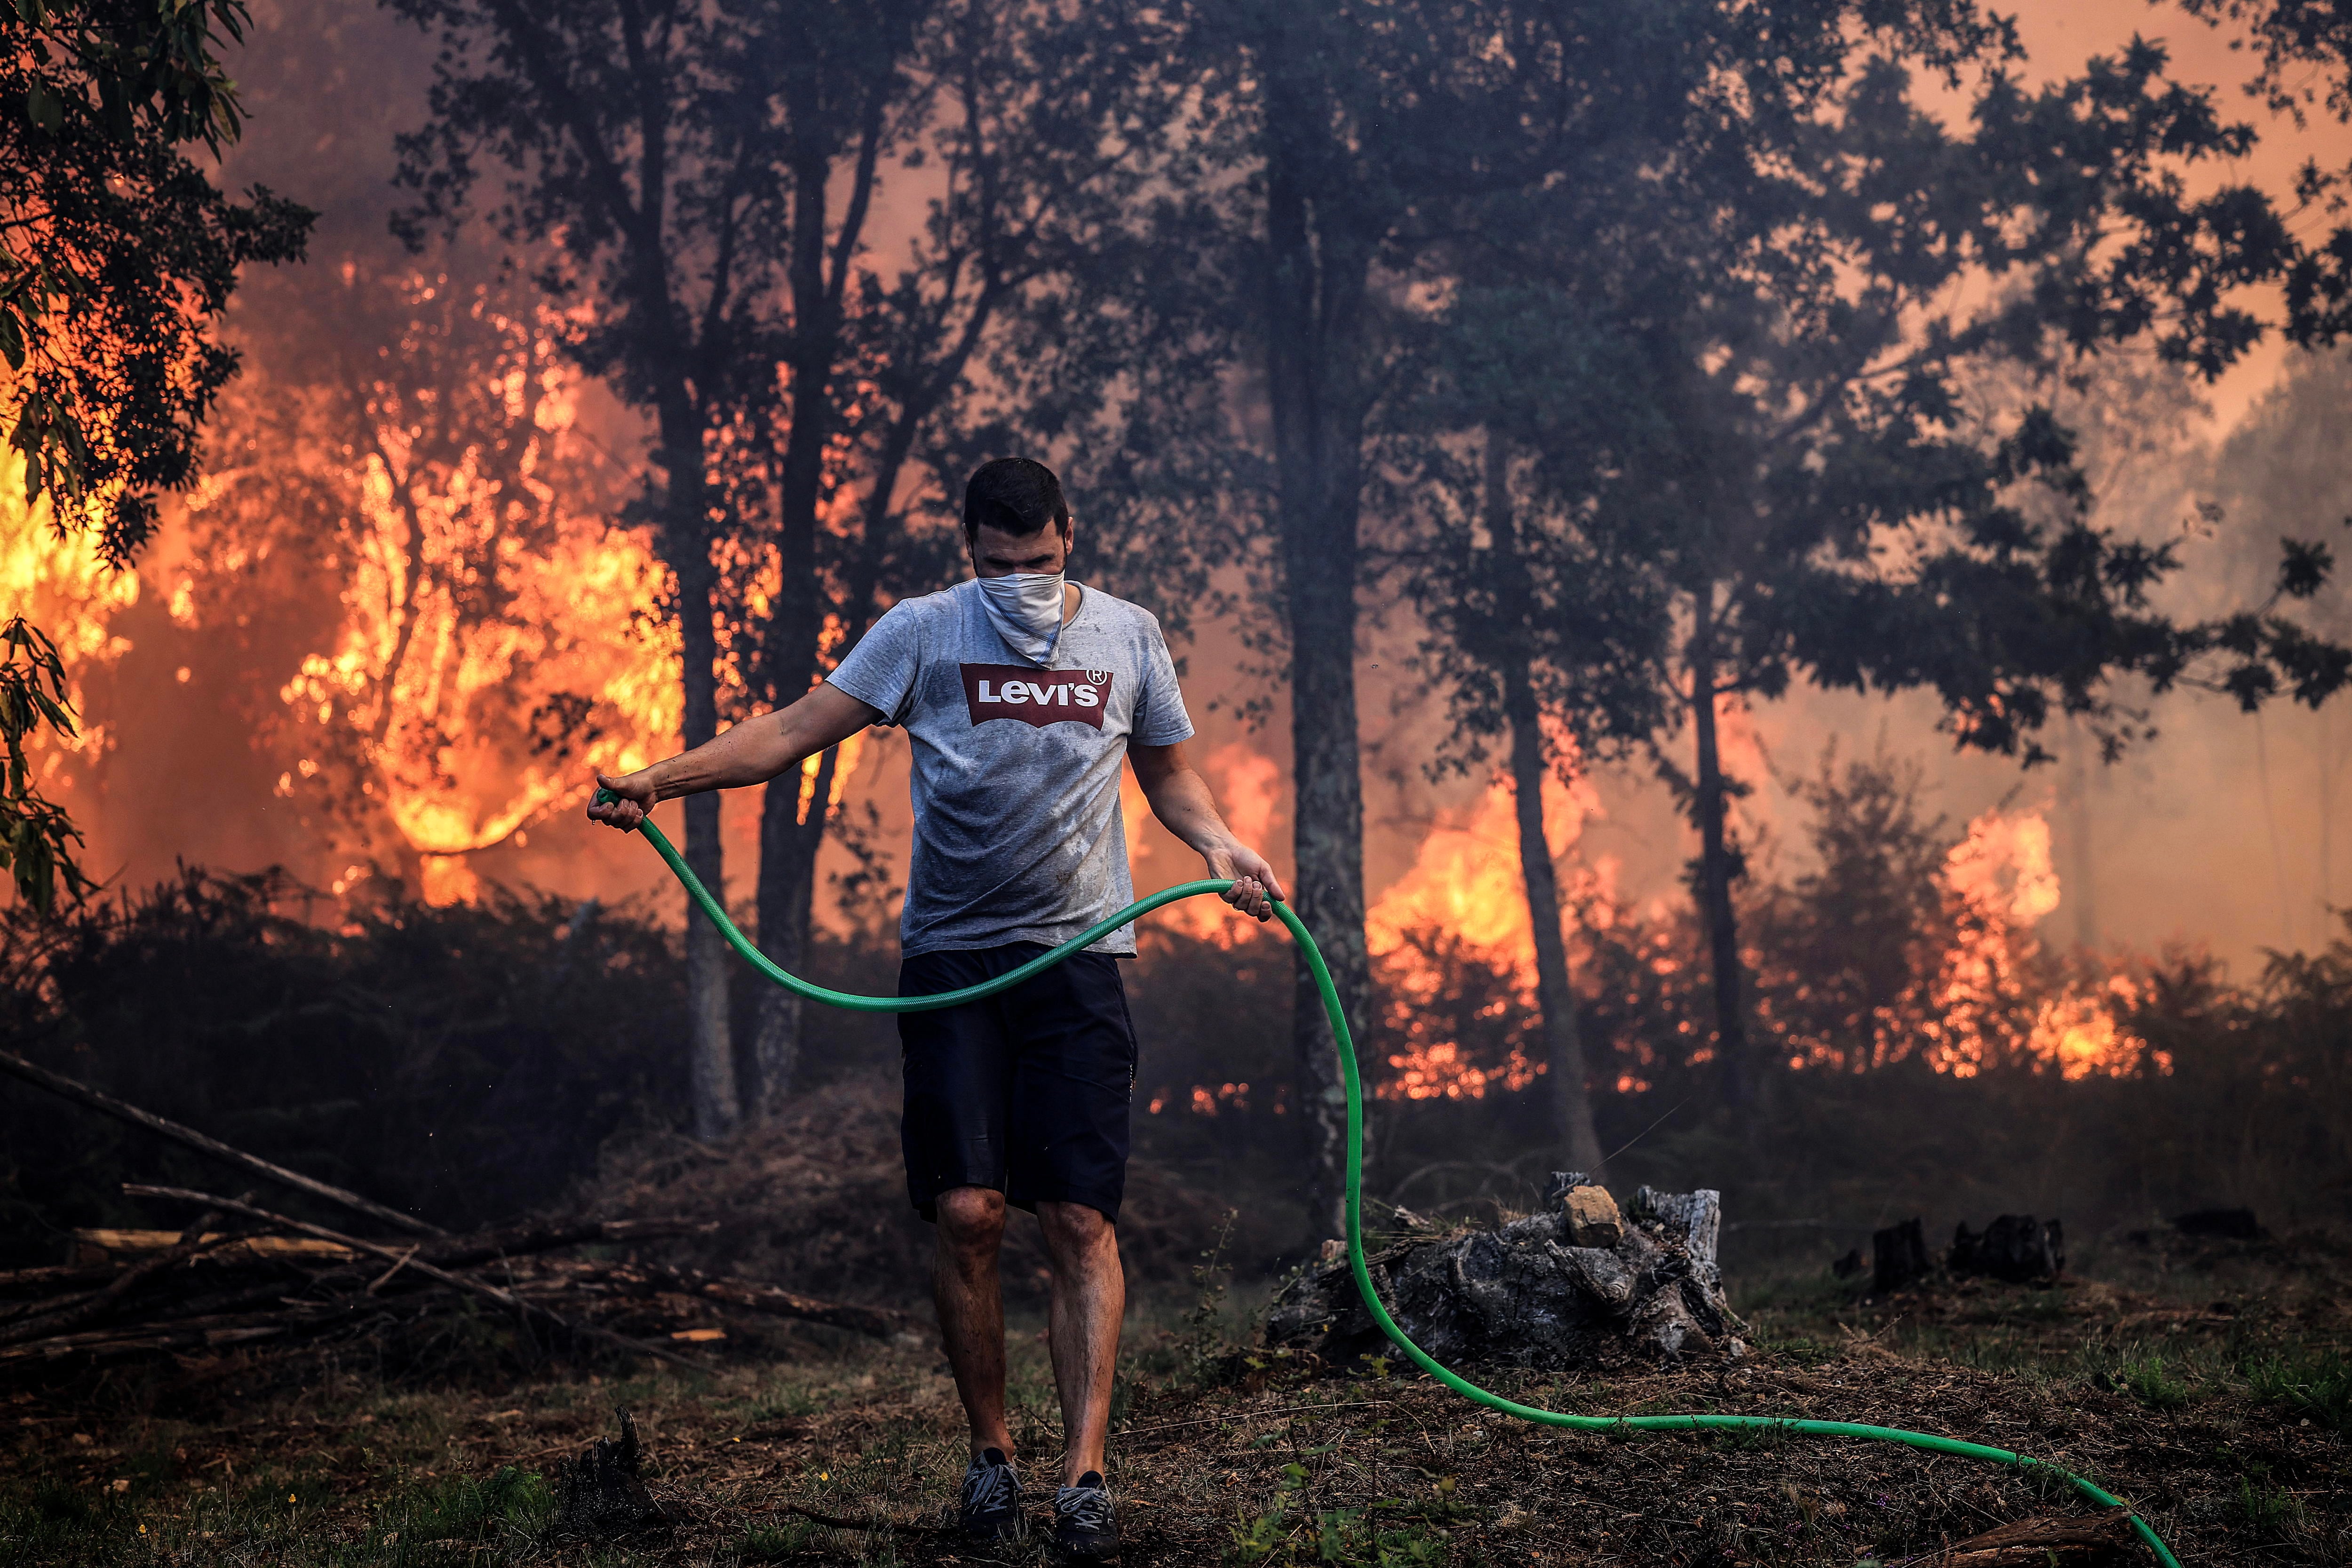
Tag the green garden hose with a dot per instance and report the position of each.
(710, 906)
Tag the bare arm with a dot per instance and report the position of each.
(1180, 798)
(751, 753)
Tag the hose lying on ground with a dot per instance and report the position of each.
(1930, 1442)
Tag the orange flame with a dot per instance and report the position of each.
(2000, 882)
(490, 647)
(1466, 881)
(59, 584)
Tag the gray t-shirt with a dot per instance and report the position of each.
(1018, 834)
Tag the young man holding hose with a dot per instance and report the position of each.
(1020, 693)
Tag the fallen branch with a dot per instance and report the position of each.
(654, 1279)
(882, 1322)
(455, 1282)
(72, 1310)
(521, 1240)
(81, 1093)
(2037, 1543)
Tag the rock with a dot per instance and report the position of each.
(1531, 1294)
(1563, 1183)
(2013, 1248)
(1898, 1257)
(1592, 1217)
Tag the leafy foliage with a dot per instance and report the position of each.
(120, 253)
(34, 831)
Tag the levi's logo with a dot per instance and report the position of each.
(1039, 696)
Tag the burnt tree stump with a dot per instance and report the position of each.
(1898, 1257)
(1527, 1294)
(2013, 1248)
(602, 1493)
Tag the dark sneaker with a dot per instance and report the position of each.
(990, 1510)
(1084, 1528)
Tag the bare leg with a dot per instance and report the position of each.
(971, 1308)
(1082, 1324)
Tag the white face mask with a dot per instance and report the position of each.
(1025, 608)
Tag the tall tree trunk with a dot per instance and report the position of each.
(790, 840)
(1739, 1079)
(1317, 279)
(711, 1049)
(1569, 1097)
(788, 851)
(787, 846)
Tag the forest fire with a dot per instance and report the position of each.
(1523, 443)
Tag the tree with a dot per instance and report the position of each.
(1335, 151)
(1029, 124)
(1344, 159)
(1547, 649)
(119, 256)
(677, 167)
(1834, 513)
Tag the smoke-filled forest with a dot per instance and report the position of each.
(1767, 577)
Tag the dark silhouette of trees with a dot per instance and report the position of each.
(673, 169)
(710, 186)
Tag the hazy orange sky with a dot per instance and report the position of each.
(2059, 37)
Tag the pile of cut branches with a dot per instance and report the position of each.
(238, 1275)
(235, 1274)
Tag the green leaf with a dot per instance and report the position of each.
(43, 108)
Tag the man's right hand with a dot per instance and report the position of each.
(636, 798)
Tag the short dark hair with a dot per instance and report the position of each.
(1019, 496)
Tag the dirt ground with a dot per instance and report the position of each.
(2210, 1389)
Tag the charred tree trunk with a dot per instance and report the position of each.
(791, 838)
(711, 1051)
(1570, 1095)
(685, 545)
(1716, 869)
(1317, 271)
(789, 841)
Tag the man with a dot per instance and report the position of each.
(1020, 692)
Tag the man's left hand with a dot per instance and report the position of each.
(1255, 887)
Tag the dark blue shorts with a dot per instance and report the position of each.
(1026, 1092)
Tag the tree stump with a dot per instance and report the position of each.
(2013, 1248)
(1528, 1295)
(602, 1493)
(1898, 1257)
